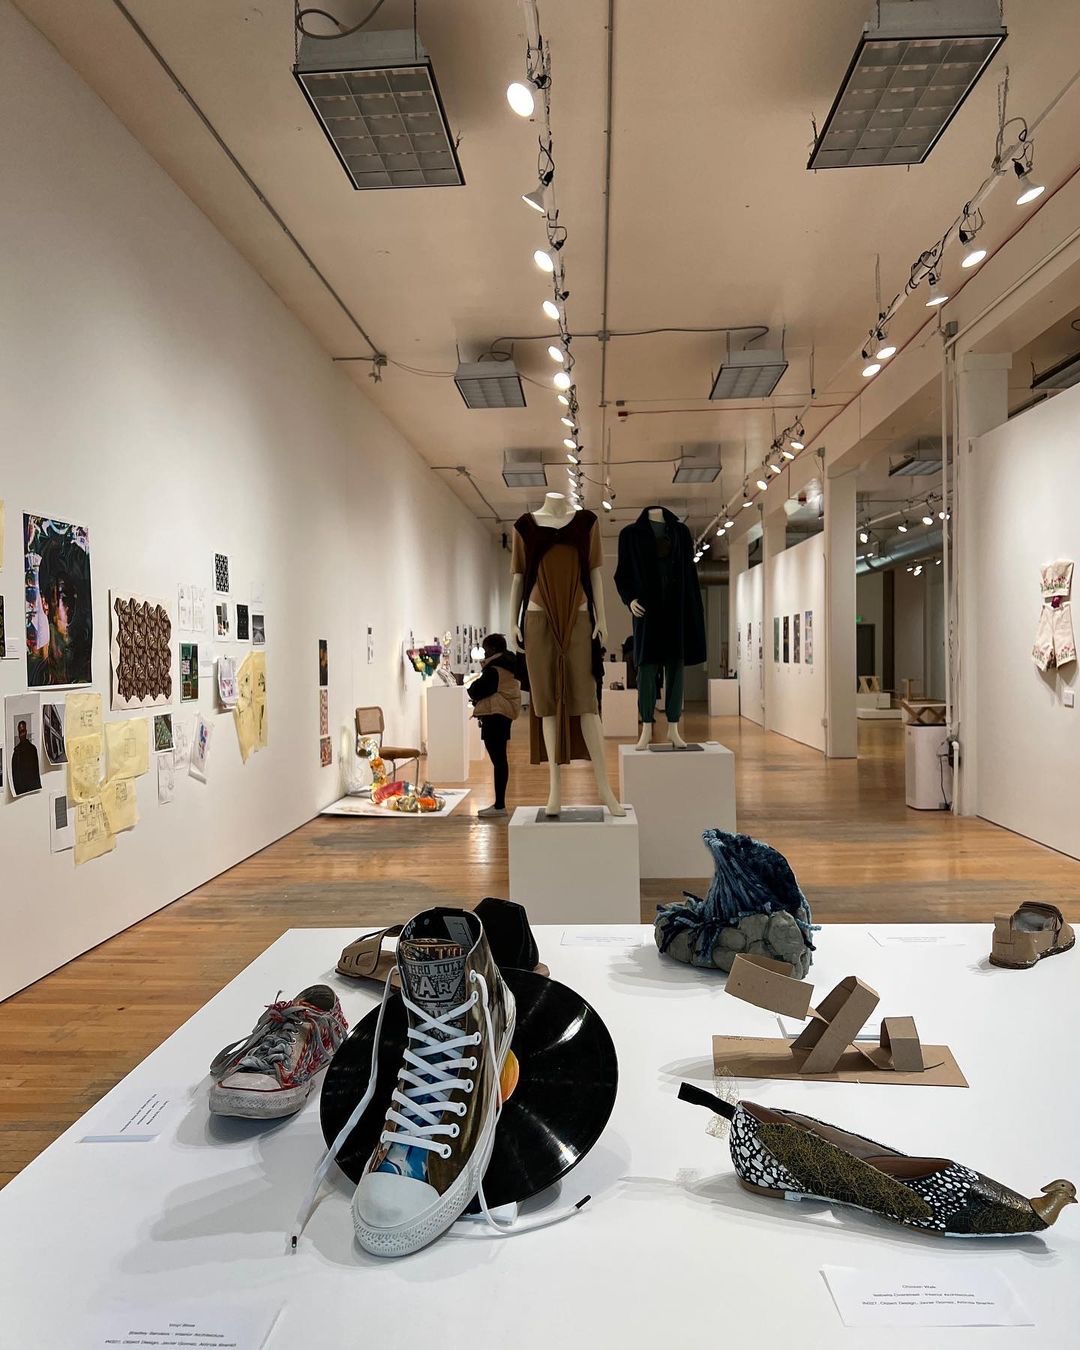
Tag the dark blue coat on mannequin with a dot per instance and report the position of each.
(673, 627)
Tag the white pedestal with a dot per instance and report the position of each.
(476, 745)
(619, 713)
(878, 701)
(575, 872)
(927, 777)
(447, 733)
(723, 698)
(678, 795)
(614, 673)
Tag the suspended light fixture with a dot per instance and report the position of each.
(572, 456)
(543, 259)
(944, 515)
(871, 369)
(720, 531)
(747, 502)
(884, 352)
(520, 98)
(928, 517)
(557, 354)
(535, 199)
(729, 524)
(938, 294)
(796, 444)
(570, 444)
(974, 258)
(762, 485)
(864, 536)
(551, 309)
(562, 379)
(1029, 188)
(607, 501)
(568, 422)
(789, 454)
(563, 400)
(903, 527)
(969, 227)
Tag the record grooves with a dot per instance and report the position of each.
(557, 1111)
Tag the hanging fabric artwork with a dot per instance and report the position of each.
(1055, 644)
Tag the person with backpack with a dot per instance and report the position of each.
(496, 697)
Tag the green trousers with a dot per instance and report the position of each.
(673, 690)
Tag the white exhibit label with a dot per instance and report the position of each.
(612, 935)
(936, 936)
(135, 1121)
(170, 1328)
(943, 1295)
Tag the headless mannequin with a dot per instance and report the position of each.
(637, 609)
(554, 514)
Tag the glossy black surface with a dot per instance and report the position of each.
(564, 1097)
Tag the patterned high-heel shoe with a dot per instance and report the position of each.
(795, 1157)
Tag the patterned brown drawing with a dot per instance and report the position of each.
(141, 651)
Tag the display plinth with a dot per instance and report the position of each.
(447, 733)
(677, 797)
(619, 712)
(723, 698)
(575, 871)
(614, 673)
(927, 772)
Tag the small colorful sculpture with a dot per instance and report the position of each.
(397, 794)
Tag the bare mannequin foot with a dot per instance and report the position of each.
(674, 737)
(554, 801)
(645, 739)
(608, 799)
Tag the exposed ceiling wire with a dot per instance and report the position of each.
(301, 15)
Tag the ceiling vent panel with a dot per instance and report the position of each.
(524, 469)
(376, 99)
(490, 384)
(749, 374)
(698, 466)
(916, 63)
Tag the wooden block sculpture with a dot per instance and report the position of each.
(842, 1015)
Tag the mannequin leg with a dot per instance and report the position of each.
(646, 698)
(551, 743)
(673, 704)
(592, 732)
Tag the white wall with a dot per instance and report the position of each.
(1028, 741)
(795, 692)
(749, 610)
(909, 626)
(157, 391)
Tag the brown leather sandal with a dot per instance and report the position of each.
(365, 959)
(1021, 940)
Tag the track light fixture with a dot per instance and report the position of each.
(1028, 188)
(938, 294)
(886, 350)
(903, 527)
(774, 467)
(551, 309)
(520, 98)
(607, 501)
(563, 400)
(562, 380)
(729, 524)
(864, 536)
(746, 502)
(543, 259)
(573, 457)
(871, 370)
(570, 443)
(535, 199)
(762, 485)
(928, 515)
(568, 422)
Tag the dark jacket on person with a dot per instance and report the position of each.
(496, 691)
(673, 626)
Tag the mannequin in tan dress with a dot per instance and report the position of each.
(559, 636)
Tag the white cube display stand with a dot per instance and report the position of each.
(677, 795)
(447, 733)
(566, 870)
(927, 774)
(614, 673)
(723, 698)
(619, 712)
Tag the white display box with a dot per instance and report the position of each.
(678, 795)
(619, 712)
(723, 698)
(927, 774)
(879, 700)
(614, 673)
(447, 733)
(202, 1213)
(566, 871)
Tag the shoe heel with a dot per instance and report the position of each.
(768, 1190)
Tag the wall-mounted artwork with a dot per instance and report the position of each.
(141, 651)
(189, 672)
(324, 714)
(243, 623)
(163, 732)
(796, 644)
(808, 637)
(326, 754)
(52, 732)
(776, 640)
(258, 630)
(221, 573)
(324, 664)
(22, 736)
(222, 626)
(59, 607)
(787, 640)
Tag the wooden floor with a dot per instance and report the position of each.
(857, 851)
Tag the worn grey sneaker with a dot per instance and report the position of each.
(272, 1071)
(437, 1139)
(492, 813)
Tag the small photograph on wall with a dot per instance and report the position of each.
(222, 627)
(59, 607)
(808, 637)
(760, 644)
(326, 754)
(22, 736)
(3, 634)
(776, 640)
(243, 623)
(324, 713)
(52, 732)
(796, 626)
(787, 640)
(258, 630)
(61, 823)
(221, 573)
(324, 664)
(370, 646)
(189, 672)
(163, 731)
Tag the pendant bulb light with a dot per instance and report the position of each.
(883, 353)
(871, 370)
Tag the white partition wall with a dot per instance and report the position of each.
(795, 689)
(750, 629)
(1028, 486)
(159, 393)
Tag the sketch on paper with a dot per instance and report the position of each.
(59, 604)
(200, 747)
(326, 754)
(243, 625)
(189, 672)
(163, 732)
(324, 664)
(22, 733)
(52, 732)
(796, 627)
(808, 637)
(166, 779)
(141, 652)
(221, 573)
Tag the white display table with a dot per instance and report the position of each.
(447, 725)
(678, 795)
(619, 712)
(202, 1212)
(575, 871)
(723, 698)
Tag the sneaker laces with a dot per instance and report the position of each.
(269, 1044)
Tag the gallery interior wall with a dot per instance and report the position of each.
(870, 608)
(159, 393)
(1028, 751)
(795, 691)
(749, 613)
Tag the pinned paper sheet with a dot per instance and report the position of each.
(84, 765)
(92, 837)
(61, 823)
(166, 778)
(120, 804)
(129, 748)
(200, 747)
(83, 715)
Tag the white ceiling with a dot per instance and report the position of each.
(714, 218)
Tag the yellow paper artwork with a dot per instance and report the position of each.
(82, 716)
(249, 712)
(120, 804)
(92, 837)
(129, 748)
(84, 768)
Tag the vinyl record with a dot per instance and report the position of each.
(564, 1093)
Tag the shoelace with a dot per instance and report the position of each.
(269, 1043)
(421, 1127)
